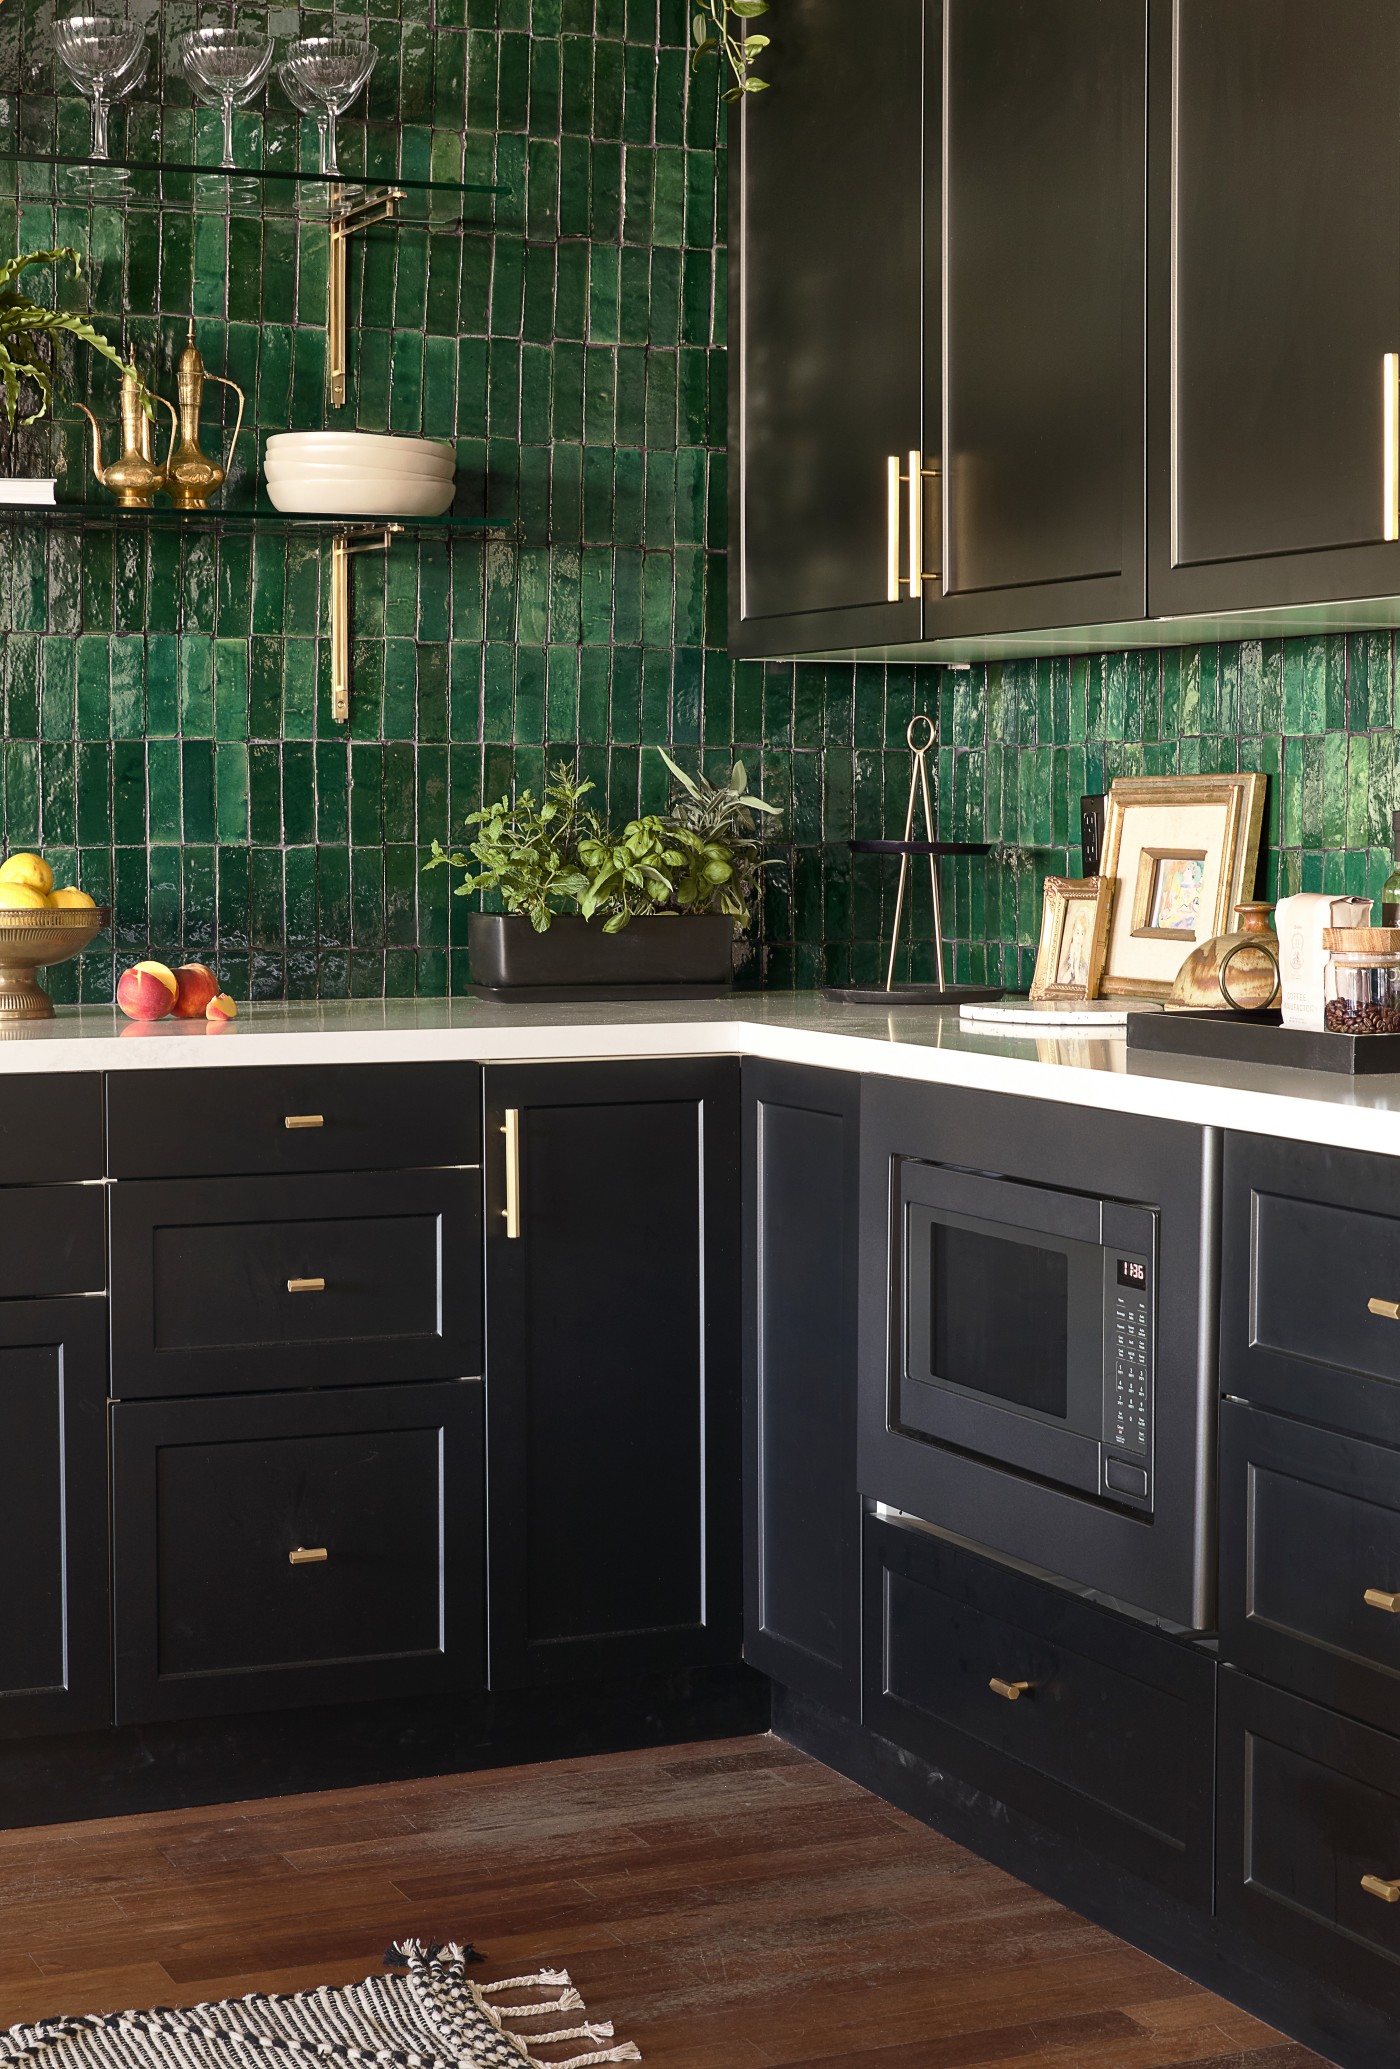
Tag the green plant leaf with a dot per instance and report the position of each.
(699, 29)
(753, 44)
(752, 85)
(747, 10)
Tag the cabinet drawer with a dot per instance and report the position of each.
(1309, 1805)
(332, 1117)
(1300, 1617)
(215, 1505)
(1110, 1734)
(1312, 1238)
(242, 1284)
(51, 1128)
(53, 1239)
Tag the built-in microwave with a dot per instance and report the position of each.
(1027, 1328)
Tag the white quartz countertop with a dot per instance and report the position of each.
(923, 1044)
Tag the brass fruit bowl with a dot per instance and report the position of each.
(32, 940)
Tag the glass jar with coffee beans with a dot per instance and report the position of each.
(1363, 980)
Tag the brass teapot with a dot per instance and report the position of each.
(134, 477)
(192, 477)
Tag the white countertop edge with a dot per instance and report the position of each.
(1304, 1106)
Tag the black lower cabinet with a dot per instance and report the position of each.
(1096, 1726)
(53, 1516)
(802, 1512)
(1309, 1861)
(612, 1368)
(273, 1551)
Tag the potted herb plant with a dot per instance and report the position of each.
(29, 337)
(589, 906)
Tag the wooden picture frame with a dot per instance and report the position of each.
(1183, 852)
(1073, 939)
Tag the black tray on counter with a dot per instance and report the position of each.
(1263, 1038)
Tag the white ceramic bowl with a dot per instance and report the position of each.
(366, 449)
(346, 470)
(360, 492)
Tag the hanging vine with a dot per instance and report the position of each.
(718, 31)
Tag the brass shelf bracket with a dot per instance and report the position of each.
(367, 539)
(347, 218)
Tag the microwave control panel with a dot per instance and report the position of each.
(1129, 1332)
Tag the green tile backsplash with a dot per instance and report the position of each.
(166, 700)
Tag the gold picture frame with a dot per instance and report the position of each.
(1073, 939)
(1183, 852)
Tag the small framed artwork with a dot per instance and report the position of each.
(1073, 939)
(1183, 852)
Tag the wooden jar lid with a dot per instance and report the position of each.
(1362, 940)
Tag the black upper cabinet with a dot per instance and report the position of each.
(1035, 272)
(826, 316)
(956, 271)
(1276, 277)
(612, 1367)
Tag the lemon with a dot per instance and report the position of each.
(71, 896)
(31, 870)
(22, 898)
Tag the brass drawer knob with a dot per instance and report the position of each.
(308, 1555)
(304, 1121)
(1377, 1598)
(1377, 1886)
(1011, 1691)
(1388, 1310)
(306, 1285)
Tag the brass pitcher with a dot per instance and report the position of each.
(134, 477)
(193, 476)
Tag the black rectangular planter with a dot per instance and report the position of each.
(662, 956)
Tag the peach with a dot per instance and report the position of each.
(221, 1008)
(27, 869)
(146, 991)
(195, 985)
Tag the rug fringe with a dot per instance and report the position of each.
(628, 2052)
(552, 1977)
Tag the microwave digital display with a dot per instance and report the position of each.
(1131, 1272)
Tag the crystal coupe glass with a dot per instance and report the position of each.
(304, 104)
(105, 56)
(226, 66)
(332, 70)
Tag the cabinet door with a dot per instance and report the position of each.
(802, 1511)
(1037, 255)
(1277, 284)
(826, 317)
(612, 1367)
(53, 1516)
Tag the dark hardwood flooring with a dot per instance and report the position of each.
(729, 1906)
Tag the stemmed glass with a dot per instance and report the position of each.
(106, 57)
(228, 66)
(332, 70)
(302, 101)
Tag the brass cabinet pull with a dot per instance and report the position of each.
(1388, 1310)
(511, 1210)
(306, 1285)
(914, 480)
(304, 1121)
(1391, 391)
(892, 578)
(1377, 1886)
(1012, 1691)
(1377, 1598)
(308, 1555)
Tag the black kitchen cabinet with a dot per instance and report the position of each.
(955, 276)
(277, 1550)
(1276, 286)
(612, 1364)
(53, 1516)
(801, 1508)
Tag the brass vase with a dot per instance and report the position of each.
(192, 477)
(1233, 973)
(135, 477)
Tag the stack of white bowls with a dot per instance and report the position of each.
(359, 474)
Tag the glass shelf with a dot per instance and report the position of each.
(238, 523)
(276, 190)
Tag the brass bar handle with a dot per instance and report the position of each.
(306, 1285)
(1388, 1310)
(1377, 1598)
(511, 1210)
(916, 525)
(308, 1555)
(892, 528)
(1377, 1886)
(1011, 1691)
(1391, 412)
(304, 1121)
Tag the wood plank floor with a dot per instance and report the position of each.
(729, 1906)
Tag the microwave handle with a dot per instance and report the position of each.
(1003, 1203)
